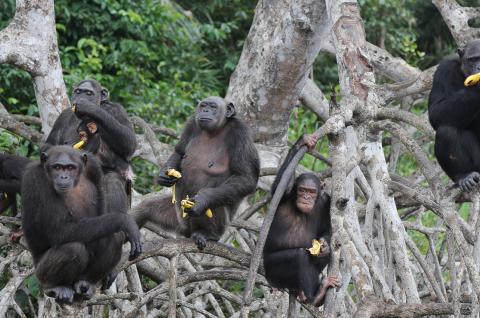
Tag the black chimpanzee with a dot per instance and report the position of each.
(107, 132)
(74, 242)
(11, 171)
(454, 112)
(219, 166)
(302, 216)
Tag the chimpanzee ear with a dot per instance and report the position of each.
(460, 52)
(84, 158)
(43, 157)
(105, 94)
(230, 110)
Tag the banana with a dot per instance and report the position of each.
(188, 204)
(74, 108)
(472, 80)
(174, 173)
(79, 145)
(316, 248)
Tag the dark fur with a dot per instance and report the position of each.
(71, 236)
(11, 171)
(287, 263)
(221, 186)
(113, 144)
(453, 111)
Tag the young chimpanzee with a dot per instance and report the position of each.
(454, 112)
(74, 242)
(11, 171)
(106, 131)
(302, 216)
(219, 166)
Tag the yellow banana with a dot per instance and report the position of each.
(174, 173)
(316, 248)
(79, 145)
(74, 108)
(188, 204)
(472, 80)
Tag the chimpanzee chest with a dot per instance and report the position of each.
(81, 201)
(206, 162)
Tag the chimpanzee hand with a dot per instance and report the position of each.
(310, 141)
(134, 237)
(324, 249)
(199, 207)
(84, 109)
(164, 179)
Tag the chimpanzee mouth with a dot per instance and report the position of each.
(205, 119)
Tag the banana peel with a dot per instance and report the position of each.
(74, 108)
(316, 248)
(188, 204)
(472, 80)
(174, 173)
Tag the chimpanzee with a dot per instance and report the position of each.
(11, 171)
(105, 129)
(219, 165)
(74, 241)
(454, 112)
(303, 215)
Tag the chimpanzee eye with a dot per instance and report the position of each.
(57, 167)
(77, 91)
(70, 167)
(89, 93)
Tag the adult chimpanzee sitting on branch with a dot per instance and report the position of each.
(101, 127)
(74, 242)
(302, 220)
(219, 166)
(11, 171)
(454, 112)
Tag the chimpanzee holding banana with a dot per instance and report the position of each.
(214, 166)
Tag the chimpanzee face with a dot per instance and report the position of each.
(63, 169)
(89, 91)
(470, 58)
(212, 113)
(307, 193)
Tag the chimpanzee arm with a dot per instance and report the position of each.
(244, 168)
(291, 153)
(324, 225)
(9, 186)
(115, 128)
(64, 130)
(451, 103)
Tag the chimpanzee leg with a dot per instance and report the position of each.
(60, 267)
(205, 229)
(292, 269)
(458, 153)
(104, 256)
(157, 208)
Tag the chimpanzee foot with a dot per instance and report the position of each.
(301, 297)
(84, 289)
(469, 182)
(200, 240)
(327, 282)
(108, 280)
(62, 294)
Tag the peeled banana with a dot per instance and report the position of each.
(188, 204)
(74, 108)
(174, 173)
(472, 80)
(316, 248)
